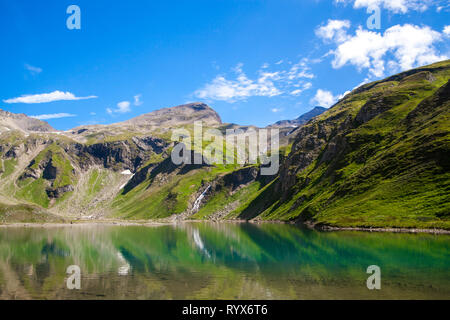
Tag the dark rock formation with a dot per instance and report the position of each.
(56, 193)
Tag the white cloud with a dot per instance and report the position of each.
(33, 70)
(53, 116)
(324, 98)
(137, 100)
(343, 95)
(275, 110)
(125, 106)
(443, 6)
(299, 70)
(241, 88)
(47, 97)
(396, 6)
(122, 107)
(409, 46)
(334, 30)
(446, 30)
(304, 87)
(267, 84)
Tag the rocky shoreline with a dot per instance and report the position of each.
(392, 230)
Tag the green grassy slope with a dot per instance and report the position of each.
(23, 213)
(60, 174)
(166, 190)
(383, 160)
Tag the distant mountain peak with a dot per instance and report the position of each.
(304, 118)
(178, 115)
(19, 121)
(311, 114)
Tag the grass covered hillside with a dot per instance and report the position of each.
(378, 158)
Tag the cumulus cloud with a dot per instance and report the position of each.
(446, 30)
(122, 107)
(53, 116)
(324, 98)
(399, 48)
(276, 110)
(266, 84)
(396, 6)
(241, 88)
(334, 30)
(46, 97)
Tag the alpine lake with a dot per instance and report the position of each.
(219, 261)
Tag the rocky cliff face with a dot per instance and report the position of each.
(125, 155)
(61, 164)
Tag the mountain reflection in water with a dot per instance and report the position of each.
(219, 261)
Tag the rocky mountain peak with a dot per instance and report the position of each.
(179, 115)
(304, 118)
(18, 121)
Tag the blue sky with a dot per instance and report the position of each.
(254, 62)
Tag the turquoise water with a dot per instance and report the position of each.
(220, 261)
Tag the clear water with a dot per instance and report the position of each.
(220, 261)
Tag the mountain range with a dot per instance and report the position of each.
(377, 158)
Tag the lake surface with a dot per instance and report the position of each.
(220, 261)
